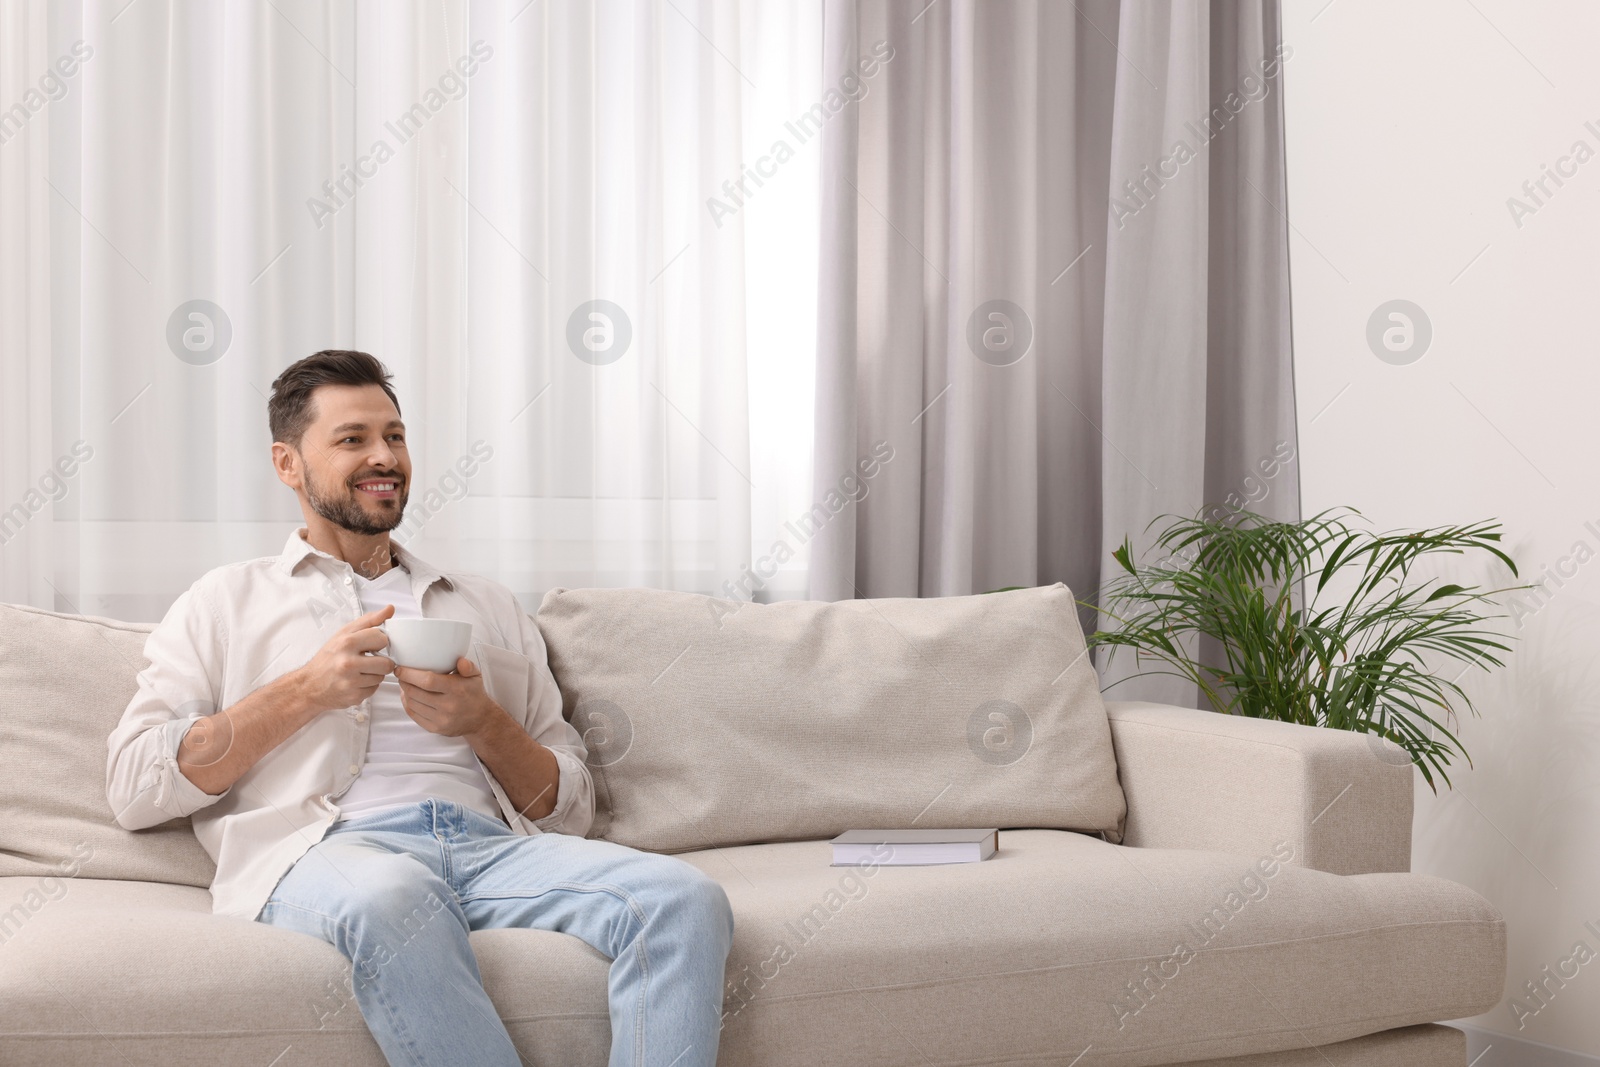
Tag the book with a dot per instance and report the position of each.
(913, 848)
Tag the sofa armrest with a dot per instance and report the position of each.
(1226, 783)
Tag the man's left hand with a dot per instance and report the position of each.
(449, 704)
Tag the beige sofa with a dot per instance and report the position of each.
(1256, 912)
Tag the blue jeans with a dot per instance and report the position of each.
(398, 891)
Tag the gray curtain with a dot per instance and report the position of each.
(1054, 282)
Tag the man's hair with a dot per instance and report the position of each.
(289, 411)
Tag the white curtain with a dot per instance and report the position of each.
(548, 219)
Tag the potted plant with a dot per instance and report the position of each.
(1313, 622)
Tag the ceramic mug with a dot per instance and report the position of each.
(428, 644)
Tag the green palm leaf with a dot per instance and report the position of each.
(1375, 661)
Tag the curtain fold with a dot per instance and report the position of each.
(1055, 280)
(552, 222)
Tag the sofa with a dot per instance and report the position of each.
(1172, 885)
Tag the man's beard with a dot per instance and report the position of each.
(348, 513)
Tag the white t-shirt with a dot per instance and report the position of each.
(406, 763)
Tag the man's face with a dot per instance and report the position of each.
(357, 468)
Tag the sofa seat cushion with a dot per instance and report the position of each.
(142, 973)
(1024, 957)
(1030, 956)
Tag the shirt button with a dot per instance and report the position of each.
(347, 580)
(361, 716)
(354, 769)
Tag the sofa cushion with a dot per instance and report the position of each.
(64, 683)
(138, 973)
(1023, 958)
(1029, 957)
(713, 722)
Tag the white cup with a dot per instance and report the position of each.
(428, 644)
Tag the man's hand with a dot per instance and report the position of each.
(454, 705)
(341, 674)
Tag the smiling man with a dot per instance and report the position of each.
(389, 810)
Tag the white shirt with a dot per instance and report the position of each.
(243, 625)
(406, 763)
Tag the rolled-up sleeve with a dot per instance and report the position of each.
(574, 810)
(181, 685)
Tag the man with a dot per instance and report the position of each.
(391, 810)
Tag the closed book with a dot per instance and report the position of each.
(911, 848)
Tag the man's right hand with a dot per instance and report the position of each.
(342, 674)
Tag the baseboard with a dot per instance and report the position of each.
(1486, 1048)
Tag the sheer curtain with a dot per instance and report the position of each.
(541, 216)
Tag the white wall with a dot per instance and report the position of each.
(1409, 126)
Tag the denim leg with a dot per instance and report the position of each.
(382, 900)
(666, 926)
